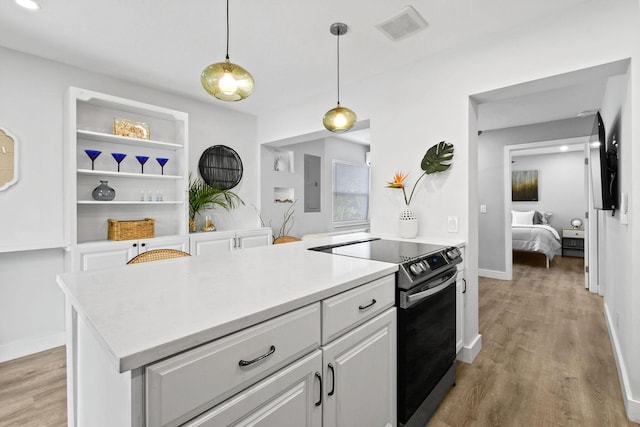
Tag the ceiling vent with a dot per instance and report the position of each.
(403, 24)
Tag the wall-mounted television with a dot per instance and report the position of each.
(604, 168)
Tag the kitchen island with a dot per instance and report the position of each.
(126, 325)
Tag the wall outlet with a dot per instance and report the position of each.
(452, 224)
(483, 208)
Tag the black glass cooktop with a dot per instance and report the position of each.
(393, 251)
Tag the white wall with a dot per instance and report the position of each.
(616, 278)
(31, 306)
(433, 105)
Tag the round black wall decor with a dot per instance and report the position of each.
(220, 167)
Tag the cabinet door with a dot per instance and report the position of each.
(460, 296)
(360, 375)
(213, 243)
(286, 398)
(254, 238)
(111, 254)
(179, 243)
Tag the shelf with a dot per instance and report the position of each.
(117, 139)
(128, 202)
(127, 174)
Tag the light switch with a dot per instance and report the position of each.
(452, 224)
(483, 208)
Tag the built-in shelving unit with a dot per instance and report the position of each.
(89, 126)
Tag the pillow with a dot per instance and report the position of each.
(543, 217)
(522, 218)
(538, 218)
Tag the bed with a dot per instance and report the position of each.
(529, 234)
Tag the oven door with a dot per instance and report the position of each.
(426, 339)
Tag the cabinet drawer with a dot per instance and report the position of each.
(568, 232)
(185, 385)
(349, 309)
(286, 398)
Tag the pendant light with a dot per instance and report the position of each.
(339, 119)
(225, 80)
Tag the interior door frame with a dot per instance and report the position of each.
(507, 157)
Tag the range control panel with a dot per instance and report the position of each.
(426, 266)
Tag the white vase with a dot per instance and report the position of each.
(408, 224)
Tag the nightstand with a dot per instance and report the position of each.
(573, 242)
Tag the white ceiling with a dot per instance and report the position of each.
(285, 44)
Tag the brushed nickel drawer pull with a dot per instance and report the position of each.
(364, 307)
(257, 359)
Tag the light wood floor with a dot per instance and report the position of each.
(546, 360)
(33, 391)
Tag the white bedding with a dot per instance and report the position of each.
(536, 238)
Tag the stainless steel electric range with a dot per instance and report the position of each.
(426, 301)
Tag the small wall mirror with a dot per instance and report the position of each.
(576, 223)
(8, 159)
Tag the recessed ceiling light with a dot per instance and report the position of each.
(28, 4)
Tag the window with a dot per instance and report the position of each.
(350, 193)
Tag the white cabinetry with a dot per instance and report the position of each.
(359, 362)
(360, 375)
(89, 122)
(92, 256)
(185, 385)
(218, 242)
(274, 374)
(288, 397)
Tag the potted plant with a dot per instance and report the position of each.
(203, 196)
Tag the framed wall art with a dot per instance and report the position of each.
(524, 186)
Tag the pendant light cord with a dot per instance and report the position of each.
(227, 29)
(338, 67)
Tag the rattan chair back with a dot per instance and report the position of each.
(157, 255)
(285, 239)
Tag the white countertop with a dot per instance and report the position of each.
(144, 312)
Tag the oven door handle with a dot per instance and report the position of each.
(422, 295)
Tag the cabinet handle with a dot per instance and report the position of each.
(333, 380)
(135, 245)
(143, 244)
(465, 285)
(257, 359)
(319, 377)
(364, 307)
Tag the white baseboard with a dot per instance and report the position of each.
(469, 352)
(23, 348)
(631, 405)
(493, 274)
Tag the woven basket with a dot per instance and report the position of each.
(128, 230)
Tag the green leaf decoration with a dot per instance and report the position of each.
(202, 196)
(438, 158)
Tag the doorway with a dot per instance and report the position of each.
(551, 109)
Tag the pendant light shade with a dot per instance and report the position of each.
(339, 119)
(225, 80)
